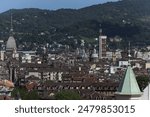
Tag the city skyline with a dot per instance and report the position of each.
(49, 4)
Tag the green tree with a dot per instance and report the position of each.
(19, 93)
(24, 94)
(32, 95)
(67, 95)
(142, 81)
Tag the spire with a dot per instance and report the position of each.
(11, 25)
(100, 30)
(129, 54)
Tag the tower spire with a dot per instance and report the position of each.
(129, 54)
(11, 25)
(100, 30)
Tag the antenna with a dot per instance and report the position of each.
(129, 54)
(11, 20)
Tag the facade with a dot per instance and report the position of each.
(102, 46)
(2, 55)
(147, 65)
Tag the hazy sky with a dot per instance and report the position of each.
(47, 4)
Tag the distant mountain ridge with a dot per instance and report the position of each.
(129, 19)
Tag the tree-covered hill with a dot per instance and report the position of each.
(129, 19)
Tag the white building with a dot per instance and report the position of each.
(146, 93)
(123, 63)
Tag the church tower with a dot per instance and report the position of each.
(102, 45)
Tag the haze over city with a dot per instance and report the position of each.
(48, 4)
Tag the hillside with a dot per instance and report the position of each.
(129, 19)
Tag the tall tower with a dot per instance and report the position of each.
(11, 43)
(102, 45)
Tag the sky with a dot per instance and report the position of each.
(47, 4)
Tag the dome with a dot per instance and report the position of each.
(11, 43)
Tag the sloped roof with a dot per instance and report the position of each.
(129, 85)
(7, 83)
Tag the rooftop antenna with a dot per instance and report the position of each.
(129, 54)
